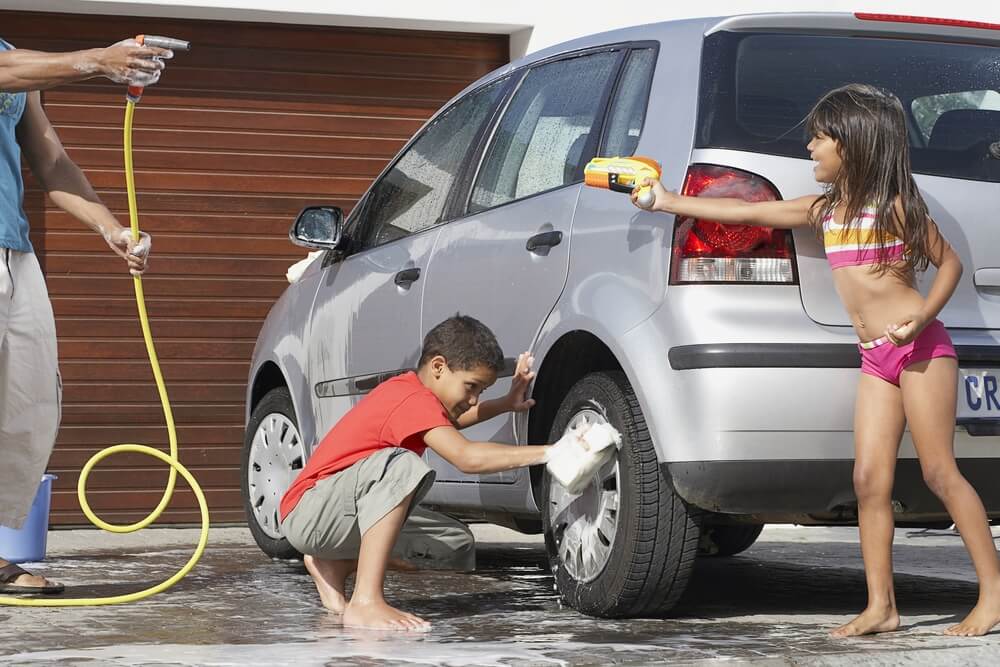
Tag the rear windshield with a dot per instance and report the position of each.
(756, 90)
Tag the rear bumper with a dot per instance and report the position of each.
(817, 491)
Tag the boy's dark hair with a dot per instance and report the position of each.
(465, 342)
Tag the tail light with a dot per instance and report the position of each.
(706, 251)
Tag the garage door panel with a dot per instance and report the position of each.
(161, 116)
(180, 392)
(205, 441)
(183, 202)
(216, 182)
(109, 95)
(173, 371)
(261, 163)
(166, 243)
(124, 306)
(255, 123)
(126, 413)
(75, 457)
(90, 29)
(230, 140)
(106, 327)
(237, 229)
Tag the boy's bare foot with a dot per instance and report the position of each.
(981, 619)
(871, 621)
(330, 577)
(400, 565)
(377, 614)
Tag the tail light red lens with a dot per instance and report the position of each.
(706, 251)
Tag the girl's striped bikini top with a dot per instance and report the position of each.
(859, 245)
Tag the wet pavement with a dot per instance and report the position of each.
(771, 605)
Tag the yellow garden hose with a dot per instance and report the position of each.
(171, 459)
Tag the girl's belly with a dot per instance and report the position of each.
(874, 302)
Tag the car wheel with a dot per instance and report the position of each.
(272, 456)
(729, 540)
(626, 545)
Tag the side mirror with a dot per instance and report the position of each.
(317, 227)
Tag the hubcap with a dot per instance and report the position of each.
(275, 458)
(584, 525)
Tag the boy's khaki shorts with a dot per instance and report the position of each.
(331, 517)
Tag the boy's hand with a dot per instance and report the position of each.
(517, 400)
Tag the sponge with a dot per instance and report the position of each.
(574, 459)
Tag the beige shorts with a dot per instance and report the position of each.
(331, 517)
(30, 390)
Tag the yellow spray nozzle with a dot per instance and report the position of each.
(622, 174)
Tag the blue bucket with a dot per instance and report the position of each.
(28, 542)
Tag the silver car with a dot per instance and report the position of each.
(721, 352)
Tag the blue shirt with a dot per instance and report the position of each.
(13, 222)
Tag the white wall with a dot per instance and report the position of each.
(532, 24)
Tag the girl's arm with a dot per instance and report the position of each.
(949, 271)
(481, 457)
(785, 214)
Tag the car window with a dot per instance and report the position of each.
(756, 90)
(928, 109)
(629, 108)
(411, 196)
(546, 131)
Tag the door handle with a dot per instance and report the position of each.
(987, 280)
(406, 277)
(544, 240)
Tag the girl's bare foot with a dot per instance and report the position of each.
(377, 614)
(983, 616)
(330, 577)
(872, 620)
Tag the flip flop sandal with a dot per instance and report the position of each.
(10, 573)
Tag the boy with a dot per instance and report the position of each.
(359, 487)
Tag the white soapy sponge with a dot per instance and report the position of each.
(574, 459)
(296, 270)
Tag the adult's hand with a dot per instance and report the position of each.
(132, 63)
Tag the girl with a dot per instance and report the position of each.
(878, 234)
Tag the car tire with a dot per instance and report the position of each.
(272, 455)
(649, 557)
(729, 540)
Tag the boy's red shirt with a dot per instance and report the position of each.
(396, 413)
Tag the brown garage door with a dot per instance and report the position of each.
(257, 121)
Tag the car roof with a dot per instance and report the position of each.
(827, 22)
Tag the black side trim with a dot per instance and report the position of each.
(362, 384)
(800, 355)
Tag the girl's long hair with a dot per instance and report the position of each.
(870, 126)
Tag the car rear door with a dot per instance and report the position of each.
(505, 261)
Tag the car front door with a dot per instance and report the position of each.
(366, 318)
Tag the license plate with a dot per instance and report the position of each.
(978, 393)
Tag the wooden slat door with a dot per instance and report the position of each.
(257, 121)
